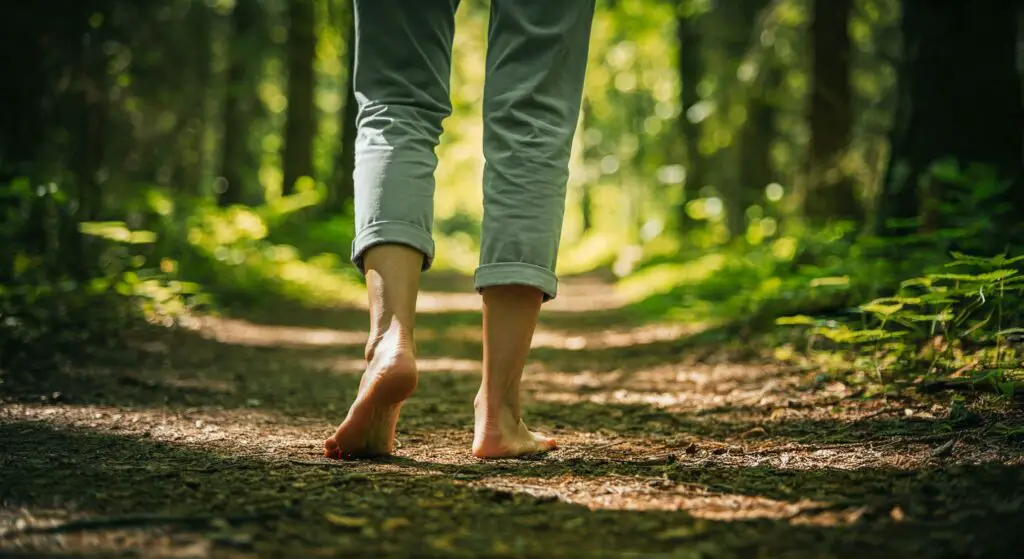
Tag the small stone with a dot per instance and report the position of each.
(199, 423)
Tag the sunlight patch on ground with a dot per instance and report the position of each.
(613, 338)
(256, 431)
(584, 294)
(423, 364)
(575, 295)
(663, 278)
(241, 332)
(667, 387)
(438, 302)
(582, 340)
(633, 494)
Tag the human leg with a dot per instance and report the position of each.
(536, 61)
(403, 61)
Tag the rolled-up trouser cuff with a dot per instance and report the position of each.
(392, 233)
(517, 273)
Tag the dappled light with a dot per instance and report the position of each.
(236, 331)
(697, 449)
(692, 278)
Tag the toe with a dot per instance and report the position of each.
(331, 449)
(545, 443)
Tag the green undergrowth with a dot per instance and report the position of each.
(889, 312)
(70, 287)
(821, 273)
(954, 326)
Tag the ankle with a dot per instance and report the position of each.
(396, 338)
(504, 407)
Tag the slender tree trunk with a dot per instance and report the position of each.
(691, 71)
(195, 163)
(959, 98)
(345, 158)
(828, 191)
(238, 166)
(300, 128)
(742, 164)
(756, 168)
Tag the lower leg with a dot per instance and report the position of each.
(392, 277)
(510, 318)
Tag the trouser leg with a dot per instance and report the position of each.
(536, 61)
(401, 81)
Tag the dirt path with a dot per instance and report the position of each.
(206, 443)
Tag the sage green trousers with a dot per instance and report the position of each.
(536, 61)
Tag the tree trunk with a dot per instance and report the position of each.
(756, 167)
(193, 154)
(740, 164)
(345, 158)
(959, 98)
(300, 128)
(828, 191)
(691, 70)
(238, 166)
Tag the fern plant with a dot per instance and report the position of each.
(962, 322)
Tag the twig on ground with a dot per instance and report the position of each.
(605, 446)
(919, 439)
(814, 448)
(829, 507)
(881, 442)
(883, 411)
(589, 452)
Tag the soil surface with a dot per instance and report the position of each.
(206, 442)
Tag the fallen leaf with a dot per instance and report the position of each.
(755, 432)
(944, 449)
(346, 521)
(573, 524)
(897, 514)
(442, 543)
(682, 532)
(431, 504)
(392, 524)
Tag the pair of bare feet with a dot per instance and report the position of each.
(390, 378)
(510, 315)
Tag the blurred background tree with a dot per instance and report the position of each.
(779, 136)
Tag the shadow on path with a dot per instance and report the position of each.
(668, 450)
(272, 507)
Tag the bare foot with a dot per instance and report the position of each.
(390, 378)
(501, 433)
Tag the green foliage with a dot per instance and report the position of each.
(231, 251)
(78, 284)
(942, 324)
(808, 272)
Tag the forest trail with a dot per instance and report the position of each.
(206, 443)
